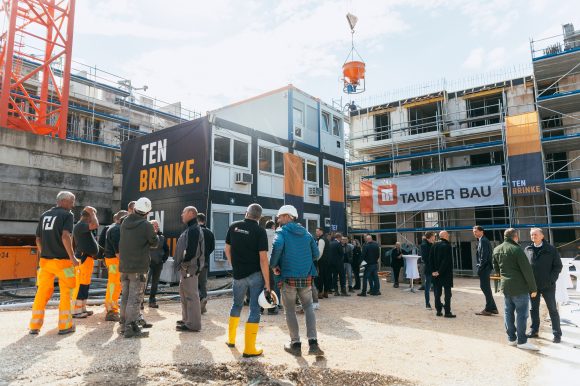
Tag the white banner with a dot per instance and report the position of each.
(445, 190)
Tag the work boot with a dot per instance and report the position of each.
(112, 316)
(34, 331)
(294, 348)
(232, 329)
(143, 323)
(314, 349)
(67, 330)
(203, 305)
(134, 331)
(250, 349)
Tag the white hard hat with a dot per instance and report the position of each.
(143, 205)
(264, 303)
(288, 209)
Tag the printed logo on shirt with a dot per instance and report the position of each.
(239, 230)
(387, 194)
(48, 223)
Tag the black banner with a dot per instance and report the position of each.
(171, 168)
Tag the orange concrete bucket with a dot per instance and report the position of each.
(353, 71)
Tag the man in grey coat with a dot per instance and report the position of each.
(137, 238)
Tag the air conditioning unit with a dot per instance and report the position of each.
(219, 255)
(244, 178)
(314, 191)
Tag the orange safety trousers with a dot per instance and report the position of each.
(84, 272)
(113, 284)
(47, 271)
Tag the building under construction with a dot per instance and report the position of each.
(419, 139)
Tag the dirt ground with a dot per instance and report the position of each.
(386, 340)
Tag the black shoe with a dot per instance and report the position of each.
(439, 313)
(356, 287)
(314, 349)
(450, 315)
(428, 306)
(143, 324)
(273, 311)
(34, 331)
(533, 334)
(153, 305)
(374, 293)
(344, 294)
(134, 331)
(362, 294)
(184, 328)
(67, 331)
(396, 285)
(422, 288)
(557, 339)
(180, 322)
(294, 348)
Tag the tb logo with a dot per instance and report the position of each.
(48, 223)
(388, 194)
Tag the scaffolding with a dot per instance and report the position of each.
(465, 130)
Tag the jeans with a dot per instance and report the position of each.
(516, 325)
(438, 292)
(255, 284)
(348, 273)
(549, 296)
(428, 278)
(372, 276)
(485, 286)
(154, 274)
(131, 296)
(289, 298)
(338, 275)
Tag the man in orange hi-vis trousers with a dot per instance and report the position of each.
(112, 262)
(86, 250)
(54, 242)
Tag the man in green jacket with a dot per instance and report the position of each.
(518, 284)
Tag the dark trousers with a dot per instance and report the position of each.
(203, 282)
(356, 273)
(396, 272)
(485, 286)
(154, 274)
(550, 299)
(338, 274)
(438, 292)
(324, 279)
(372, 277)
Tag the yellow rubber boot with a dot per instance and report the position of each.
(251, 332)
(232, 328)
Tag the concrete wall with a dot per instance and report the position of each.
(35, 168)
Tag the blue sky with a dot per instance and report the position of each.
(210, 53)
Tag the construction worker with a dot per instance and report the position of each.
(112, 262)
(294, 256)
(189, 260)
(86, 250)
(247, 252)
(137, 238)
(54, 243)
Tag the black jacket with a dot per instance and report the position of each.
(441, 260)
(160, 254)
(102, 242)
(336, 256)
(483, 255)
(546, 265)
(356, 256)
(209, 243)
(425, 249)
(397, 258)
(371, 252)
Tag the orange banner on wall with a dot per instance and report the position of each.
(336, 184)
(293, 175)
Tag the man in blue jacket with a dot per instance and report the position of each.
(294, 253)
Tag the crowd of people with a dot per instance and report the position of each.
(279, 266)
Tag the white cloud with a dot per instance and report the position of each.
(480, 59)
(474, 60)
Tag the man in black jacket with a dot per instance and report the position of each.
(426, 245)
(189, 260)
(397, 263)
(484, 268)
(159, 256)
(209, 241)
(337, 265)
(137, 238)
(441, 261)
(324, 279)
(370, 255)
(546, 264)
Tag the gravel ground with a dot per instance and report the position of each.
(386, 340)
